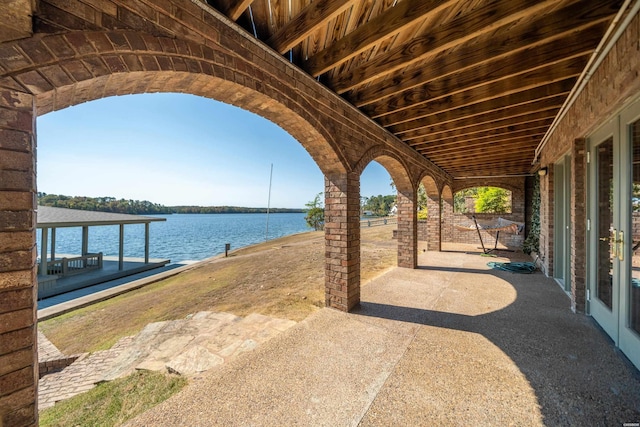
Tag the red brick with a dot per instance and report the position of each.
(16, 279)
(80, 42)
(24, 416)
(18, 399)
(16, 320)
(59, 47)
(13, 59)
(16, 241)
(16, 361)
(16, 380)
(16, 260)
(16, 340)
(33, 81)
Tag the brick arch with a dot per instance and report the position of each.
(434, 182)
(430, 186)
(393, 164)
(407, 231)
(127, 62)
(511, 184)
(514, 184)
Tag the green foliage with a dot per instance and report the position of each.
(137, 207)
(102, 204)
(379, 205)
(532, 242)
(492, 200)
(459, 202)
(113, 403)
(315, 213)
(422, 203)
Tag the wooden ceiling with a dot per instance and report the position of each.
(472, 85)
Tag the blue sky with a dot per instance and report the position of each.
(177, 149)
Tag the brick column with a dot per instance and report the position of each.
(547, 197)
(342, 241)
(578, 225)
(433, 222)
(407, 229)
(446, 217)
(18, 349)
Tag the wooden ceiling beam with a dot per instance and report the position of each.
(479, 113)
(584, 17)
(470, 143)
(555, 78)
(473, 150)
(486, 166)
(237, 8)
(454, 129)
(465, 135)
(490, 120)
(482, 20)
(309, 19)
(503, 170)
(483, 168)
(392, 21)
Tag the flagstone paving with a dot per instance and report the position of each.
(187, 347)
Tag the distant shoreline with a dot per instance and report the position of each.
(144, 207)
(232, 209)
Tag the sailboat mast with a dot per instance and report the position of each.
(266, 233)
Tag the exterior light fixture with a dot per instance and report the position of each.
(542, 171)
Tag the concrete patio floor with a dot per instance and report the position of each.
(450, 343)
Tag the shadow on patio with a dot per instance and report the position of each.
(452, 342)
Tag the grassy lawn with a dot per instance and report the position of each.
(115, 402)
(280, 278)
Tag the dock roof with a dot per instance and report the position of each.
(51, 217)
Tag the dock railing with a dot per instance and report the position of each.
(76, 265)
(373, 222)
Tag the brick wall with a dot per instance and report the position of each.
(612, 85)
(446, 218)
(546, 222)
(18, 352)
(578, 226)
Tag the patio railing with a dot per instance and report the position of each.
(76, 265)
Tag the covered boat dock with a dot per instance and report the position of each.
(63, 273)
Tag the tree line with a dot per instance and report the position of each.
(486, 200)
(378, 205)
(142, 207)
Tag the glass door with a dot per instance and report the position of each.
(614, 238)
(562, 223)
(603, 265)
(630, 217)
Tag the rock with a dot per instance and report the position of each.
(193, 361)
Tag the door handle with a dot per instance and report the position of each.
(621, 245)
(614, 246)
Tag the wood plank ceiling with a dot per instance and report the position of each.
(472, 85)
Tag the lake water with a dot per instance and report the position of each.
(182, 237)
